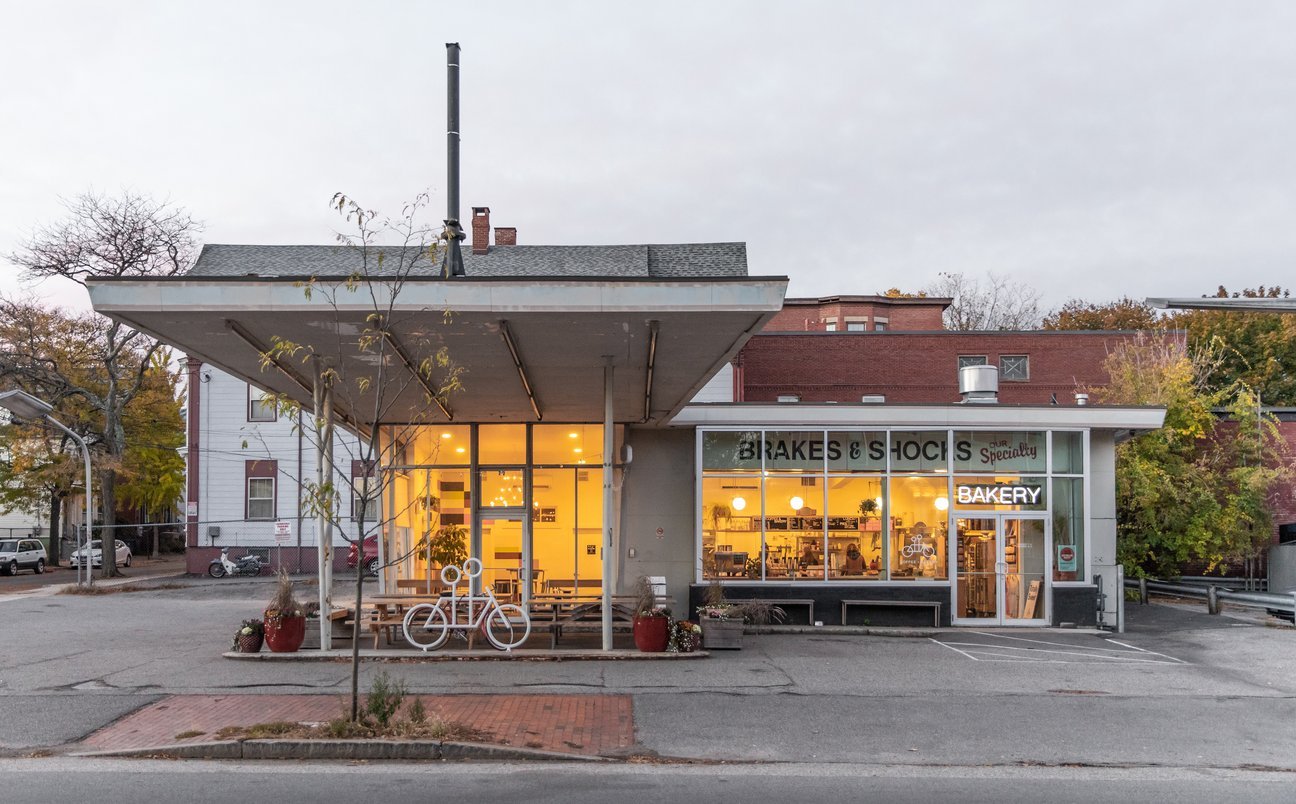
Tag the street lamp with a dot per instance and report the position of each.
(27, 407)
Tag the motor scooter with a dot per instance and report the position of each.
(247, 565)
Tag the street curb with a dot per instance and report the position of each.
(375, 750)
(843, 630)
(407, 654)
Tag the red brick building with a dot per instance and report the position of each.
(859, 314)
(889, 349)
(922, 367)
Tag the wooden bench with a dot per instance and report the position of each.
(555, 585)
(934, 605)
(556, 630)
(419, 585)
(798, 601)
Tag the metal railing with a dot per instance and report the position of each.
(1215, 595)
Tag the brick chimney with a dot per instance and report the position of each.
(505, 236)
(480, 230)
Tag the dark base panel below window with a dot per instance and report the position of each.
(828, 602)
(1077, 605)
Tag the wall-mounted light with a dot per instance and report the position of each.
(739, 503)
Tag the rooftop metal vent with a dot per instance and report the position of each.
(979, 384)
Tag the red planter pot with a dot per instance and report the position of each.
(651, 633)
(284, 634)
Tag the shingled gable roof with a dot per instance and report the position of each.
(675, 261)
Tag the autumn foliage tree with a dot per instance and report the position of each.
(1194, 491)
(126, 236)
(60, 357)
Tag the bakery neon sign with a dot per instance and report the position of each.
(982, 494)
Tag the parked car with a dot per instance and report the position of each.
(372, 564)
(16, 554)
(123, 555)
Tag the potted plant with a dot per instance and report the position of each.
(868, 510)
(249, 636)
(285, 618)
(719, 511)
(448, 545)
(685, 637)
(723, 621)
(651, 622)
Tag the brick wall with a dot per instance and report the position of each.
(918, 366)
(809, 315)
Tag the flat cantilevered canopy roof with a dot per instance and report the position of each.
(665, 337)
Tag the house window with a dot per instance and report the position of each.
(260, 502)
(261, 406)
(365, 493)
(1014, 367)
(972, 360)
(879, 326)
(830, 326)
(260, 498)
(856, 326)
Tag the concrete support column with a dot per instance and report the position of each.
(609, 443)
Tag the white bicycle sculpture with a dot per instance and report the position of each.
(428, 625)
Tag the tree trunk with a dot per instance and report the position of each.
(107, 533)
(55, 509)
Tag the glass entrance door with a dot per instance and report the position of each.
(1002, 570)
(1022, 542)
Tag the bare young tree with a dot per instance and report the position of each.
(369, 367)
(997, 303)
(126, 236)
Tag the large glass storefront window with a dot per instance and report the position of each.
(919, 528)
(861, 505)
(731, 526)
(540, 525)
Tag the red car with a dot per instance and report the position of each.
(372, 563)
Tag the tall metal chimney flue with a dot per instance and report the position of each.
(452, 264)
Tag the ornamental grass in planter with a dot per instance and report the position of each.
(285, 618)
(651, 622)
(723, 620)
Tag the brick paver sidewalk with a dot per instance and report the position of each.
(580, 724)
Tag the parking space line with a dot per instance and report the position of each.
(1057, 644)
(956, 650)
(1094, 655)
(1145, 650)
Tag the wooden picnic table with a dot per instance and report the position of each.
(582, 613)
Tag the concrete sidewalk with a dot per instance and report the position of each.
(587, 725)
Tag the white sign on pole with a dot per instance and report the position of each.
(283, 532)
(191, 509)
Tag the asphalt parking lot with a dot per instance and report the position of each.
(1180, 688)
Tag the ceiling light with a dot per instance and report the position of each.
(797, 503)
(578, 449)
(739, 503)
(445, 435)
(572, 435)
(942, 503)
(459, 449)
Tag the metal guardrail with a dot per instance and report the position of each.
(1215, 595)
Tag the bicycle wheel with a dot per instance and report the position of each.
(508, 626)
(426, 627)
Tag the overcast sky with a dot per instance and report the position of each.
(1088, 149)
